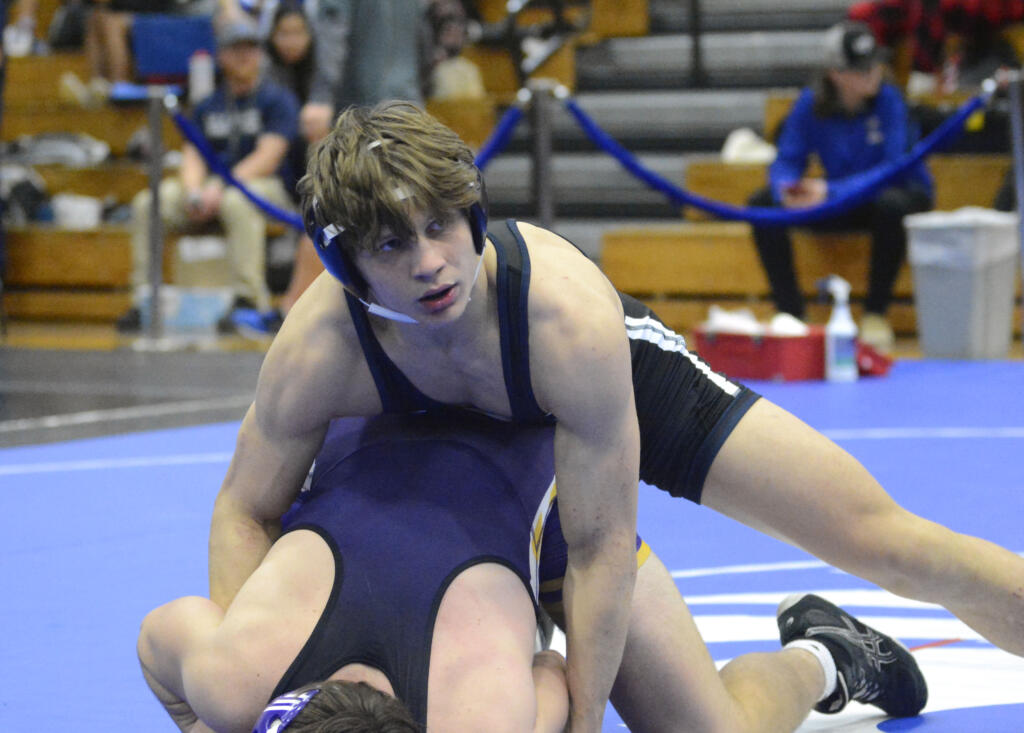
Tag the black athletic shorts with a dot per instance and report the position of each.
(685, 410)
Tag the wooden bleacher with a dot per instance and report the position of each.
(681, 270)
(960, 180)
(55, 274)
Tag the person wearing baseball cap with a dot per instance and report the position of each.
(852, 46)
(853, 120)
(249, 122)
(238, 30)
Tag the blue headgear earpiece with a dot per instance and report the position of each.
(327, 240)
(282, 710)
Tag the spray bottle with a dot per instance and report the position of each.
(840, 334)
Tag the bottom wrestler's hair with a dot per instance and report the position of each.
(352, 707)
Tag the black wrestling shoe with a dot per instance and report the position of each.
(872, 667)
(130, 321)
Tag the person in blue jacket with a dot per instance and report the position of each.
(853, 121)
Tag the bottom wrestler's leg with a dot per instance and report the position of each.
(778, 475)
(668, 681)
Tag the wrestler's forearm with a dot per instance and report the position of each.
(179, 710)
(597, 594)
(238, 544)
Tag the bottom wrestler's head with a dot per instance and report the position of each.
(336, 706)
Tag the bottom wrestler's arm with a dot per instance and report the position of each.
(552, 691)
(168, 635)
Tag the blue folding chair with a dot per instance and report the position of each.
(162, 45)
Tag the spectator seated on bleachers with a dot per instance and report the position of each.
(109, 26)
(853, 122)
(449, 74)
(250, 123)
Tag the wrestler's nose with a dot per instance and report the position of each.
(428, 259)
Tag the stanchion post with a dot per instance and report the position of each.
(1017, 144)
(541, 173)
(698, 74)
(156, 234)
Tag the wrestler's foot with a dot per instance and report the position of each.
(872, 667)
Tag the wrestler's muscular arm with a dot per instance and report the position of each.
(580, 367)
(168, 640)
(308, 377)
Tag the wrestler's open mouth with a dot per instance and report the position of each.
(436, 295)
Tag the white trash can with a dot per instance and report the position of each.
(964, 264)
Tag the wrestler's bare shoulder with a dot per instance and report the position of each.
(314, 370)
(567, 290)
(575, 317)
(559, 271)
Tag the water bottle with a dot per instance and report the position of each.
(200, 76)
(840, 334)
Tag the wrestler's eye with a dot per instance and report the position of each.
(437, 226)
(389, 244)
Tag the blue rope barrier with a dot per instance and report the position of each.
(865, 183)
(500, 137)
(194, 136)
(494, 145)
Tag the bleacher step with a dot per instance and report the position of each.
(719, 258)
(34, 79)
(682, 269)
(960, 180)
(112, 124)
(763, 59)
(672, 16)
(120, 180)
(53, 257)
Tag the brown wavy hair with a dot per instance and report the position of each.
(352, 707)
(378, 165)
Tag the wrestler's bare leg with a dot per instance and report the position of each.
(778, 475)
(668, 681)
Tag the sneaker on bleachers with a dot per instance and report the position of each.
(257, 324)
(226, 324)
(73, 90)
(876, 332)
(130, 321)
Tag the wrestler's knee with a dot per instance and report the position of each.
(901, 551)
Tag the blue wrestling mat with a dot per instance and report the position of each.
(101, 531)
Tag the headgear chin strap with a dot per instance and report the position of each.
(282, 710)
(384, 312)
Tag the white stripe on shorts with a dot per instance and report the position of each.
(654, 332)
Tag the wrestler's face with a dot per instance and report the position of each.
(429, 277)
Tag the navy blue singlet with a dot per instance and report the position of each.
(406, 503)
(685, 410)
(398, 394)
